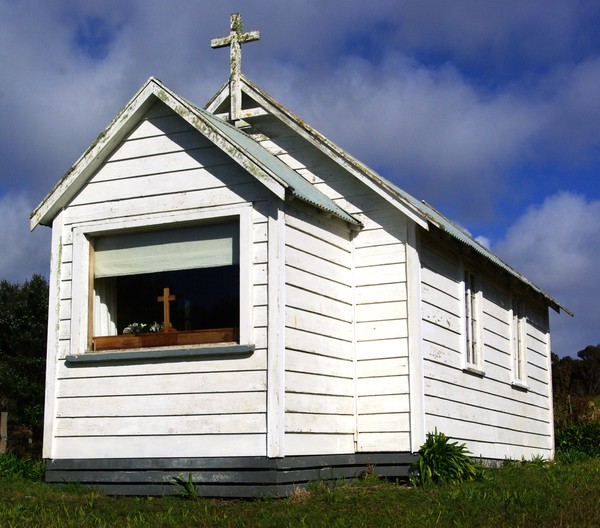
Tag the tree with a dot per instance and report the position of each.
(588, 374)
(23, 328)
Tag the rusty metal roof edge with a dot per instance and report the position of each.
(426, 210)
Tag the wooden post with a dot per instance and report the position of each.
(3, 432)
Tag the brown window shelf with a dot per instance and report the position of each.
(158, 339)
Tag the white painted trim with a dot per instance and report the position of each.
(150, 93)
(254, 167)
(91, 159)
(550, 390)
(53, 331)
(518, 341)
(80, 293)
(218, 99)
(246, 285)
(415, 339)
(81, 247)
(276, 332)
(476, 367)
(354, 343)
(334, 153)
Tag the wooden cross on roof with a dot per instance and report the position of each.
(235, 39)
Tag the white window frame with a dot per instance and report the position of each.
(82, 287)
(472, 321)
(518, 342)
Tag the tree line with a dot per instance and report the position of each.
(23, 329)
(576, 386)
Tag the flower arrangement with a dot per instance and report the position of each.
(143, 328)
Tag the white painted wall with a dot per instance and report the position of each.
(495, 418)
(336, 375)
(156, 409)
(347, 376)
(319, 366)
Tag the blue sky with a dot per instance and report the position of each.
(488, 110)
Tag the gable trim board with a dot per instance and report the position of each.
(265, 167)
(349, 346)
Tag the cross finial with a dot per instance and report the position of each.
(235, 39)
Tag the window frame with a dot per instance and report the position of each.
(472, 321)
(518, 341)
(83, 277)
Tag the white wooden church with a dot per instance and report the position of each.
(234, 296)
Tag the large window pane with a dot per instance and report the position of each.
(199, 266)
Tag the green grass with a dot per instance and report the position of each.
(12, 466)
(540, 495)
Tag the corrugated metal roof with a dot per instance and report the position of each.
(298, 186)
(424, 209)
(268, 164)
(463, 236)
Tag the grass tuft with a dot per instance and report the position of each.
(12, 466)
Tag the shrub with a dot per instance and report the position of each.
(580, 437)
(442, 461)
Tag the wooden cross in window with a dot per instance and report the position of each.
(235, 39)
(165, 298)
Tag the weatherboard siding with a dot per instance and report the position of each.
(377, 298)
(382, 333)
(495, 418)
(319, 367)
(199, 408)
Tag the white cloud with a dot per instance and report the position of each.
(484, 241)
(23, 253)
(557, 245)
(433, 129)
(449, 100)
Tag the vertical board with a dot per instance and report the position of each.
(318, 328)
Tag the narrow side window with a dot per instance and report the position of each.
(518, 345)
(472, 321)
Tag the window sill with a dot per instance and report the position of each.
(475, 371)
(168, 353)
(519, 385)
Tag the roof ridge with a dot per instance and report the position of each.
(430, 213)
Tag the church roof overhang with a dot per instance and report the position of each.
(420, 212)
(264, 166)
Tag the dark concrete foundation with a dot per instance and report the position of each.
(234, 477)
